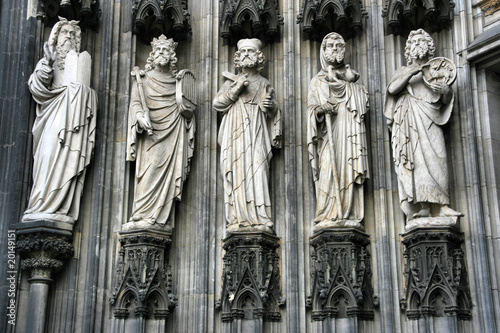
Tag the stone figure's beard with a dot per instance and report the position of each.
(161, 60)
(335, 57)
(248, 62)
(418, 52)
(63, 49)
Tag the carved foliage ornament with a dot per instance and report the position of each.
(402, 16)
(143, 280)
(435, 275)
(341, 276)
(320, 17)
(152, 18)
(85, 11)
(250, 19)
(489, 6)
(251, 278)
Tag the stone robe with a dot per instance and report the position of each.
(163, 159)
(418, 146)
(246, 137)
(349, 141)
(63, 141)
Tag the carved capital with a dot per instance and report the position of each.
(402, 16)
(489, 6)
(318, 18)
(435, 274)
(85, 11)
(251, 278)
(341, 275)
(143, 282)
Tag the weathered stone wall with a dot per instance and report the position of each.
(80, 293)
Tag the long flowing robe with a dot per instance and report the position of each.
(63, 141)
(246, 137)
(349, 142)
(418, 145)
(163, 159)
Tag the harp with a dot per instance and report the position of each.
(185, 93)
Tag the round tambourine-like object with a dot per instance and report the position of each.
(439, 70)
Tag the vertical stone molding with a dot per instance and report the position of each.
(44, 247)
(341, 275)
(402, 16)
(251, 293)
(319, 18)
(85, 11)
(152, 18)
(435, 274)
(250, 19)
(143, 283)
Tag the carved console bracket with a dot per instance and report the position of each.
(44, 247)
(402, 16)
(251, 278)
(85, 11)
(320, 17)
(152, 18)
(250, 19)
(143, 282)
(435, 274)
(341, 275)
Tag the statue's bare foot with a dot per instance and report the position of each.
(445, 210)
(424, 212)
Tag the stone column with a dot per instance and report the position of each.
(43, 247)
(341, 276)
(251, 293)
(436, 287)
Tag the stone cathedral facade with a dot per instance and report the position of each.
(195, 264)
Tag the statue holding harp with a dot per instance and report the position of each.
(161, 128)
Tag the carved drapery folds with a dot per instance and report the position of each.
(402, 16)
(341, 275)
(85, 11)
(143, 279)
(250, 19)
(435, 274)
(152, 18)
(251, 278)
(320, 17)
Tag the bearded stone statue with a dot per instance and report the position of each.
(64, 128)
(250, 128)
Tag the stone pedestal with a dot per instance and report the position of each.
(251, 293)
(435, 274)
(43, 247)
(142, 297)
(341, 278)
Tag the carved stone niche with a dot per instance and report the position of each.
(250, 19)
(320, 17)
(251, 279)
(143, 282)
(341, 275)
(85, 11)
(152, 18)
(435, 274)
(403, 16)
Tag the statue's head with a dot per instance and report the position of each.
(163, 54)
(332, 50)
(419, 46)
(64, 37)
(249, 54)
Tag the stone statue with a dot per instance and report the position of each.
(336, 138)
(250, 128)
(64, 128)
(419, 100)
(160, 138)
